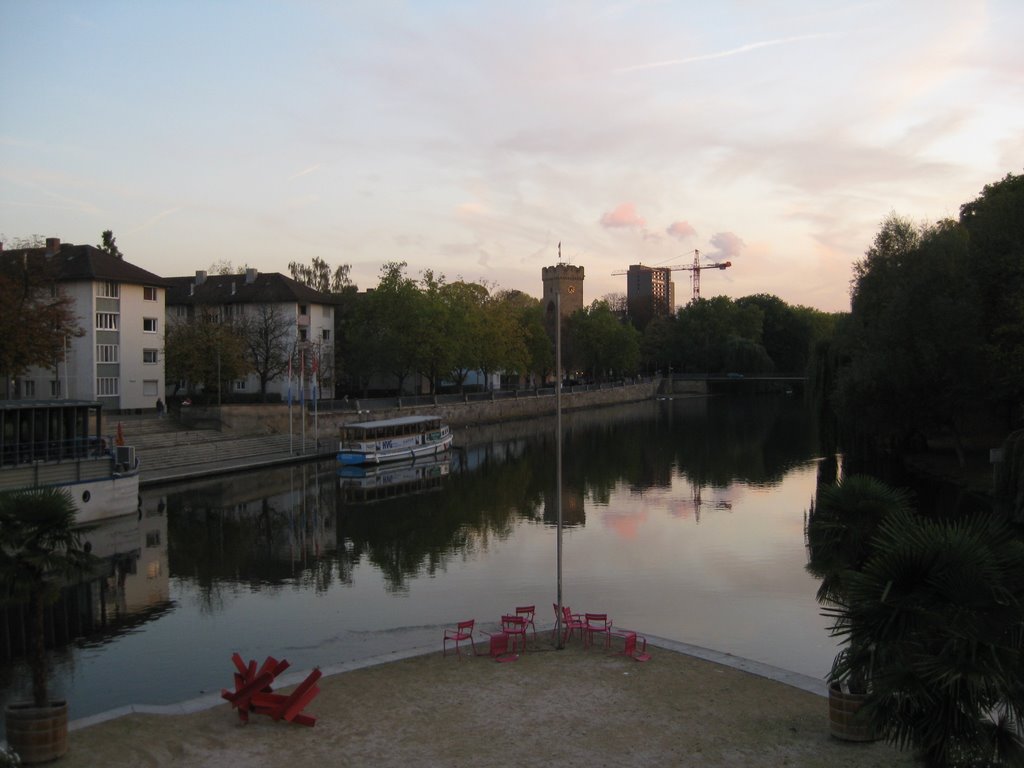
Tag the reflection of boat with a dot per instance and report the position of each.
(372, 483)
(60, 443)
(407, 437)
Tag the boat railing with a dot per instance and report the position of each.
(57, 451)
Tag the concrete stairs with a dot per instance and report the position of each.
(163, 445)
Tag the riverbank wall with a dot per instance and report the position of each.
(457, 411)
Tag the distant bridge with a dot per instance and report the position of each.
(680, 383)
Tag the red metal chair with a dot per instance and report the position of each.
(634, 645)
(527, 612)
(460, 633)
(596, 624)
(514, 627)
(571, 622)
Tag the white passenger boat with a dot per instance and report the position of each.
(407, 437)
(60, 443)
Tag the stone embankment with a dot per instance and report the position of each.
(200, 441)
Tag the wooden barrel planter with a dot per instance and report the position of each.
(842, 716)
(38, 734)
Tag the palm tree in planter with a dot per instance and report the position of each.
(937, 614)
(840, 528)
(39, 552)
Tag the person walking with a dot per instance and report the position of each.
(159, 408)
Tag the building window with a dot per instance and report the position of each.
(107, 353)
(108, 290)
(303, 309)
(181, 311)
(149, 324)
(327, 312)
(149, 356)
(150, 387)
(148, 293)
(106, 321)
(239, 385)
(28, 388)
(106, 386)
(325, 334)
(55, 388)
(302, 335)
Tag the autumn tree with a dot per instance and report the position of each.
(36, 317)
(203, 352)
(319, 276)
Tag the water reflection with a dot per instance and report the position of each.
(683, 518)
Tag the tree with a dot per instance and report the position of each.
(203, 352)
(36, 317)
(935, 615)
(269, 337)
(915, 367)
(225, 267)
(109, 245)
(464, 328)
(319, 277)
(601, 344)
(393, 315)
(39, 551)
(995, 227)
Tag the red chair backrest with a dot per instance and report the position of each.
(463, 625)
(526, 611)
(513, 623)
(597, 620)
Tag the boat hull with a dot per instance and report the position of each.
(97, 492)
(396, 452)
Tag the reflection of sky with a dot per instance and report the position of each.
(733, 581)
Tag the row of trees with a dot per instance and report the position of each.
(444, 331)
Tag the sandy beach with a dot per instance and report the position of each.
(570, 707)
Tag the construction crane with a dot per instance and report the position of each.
(695, 270)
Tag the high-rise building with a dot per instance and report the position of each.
(650, 293)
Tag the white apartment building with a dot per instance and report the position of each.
(228, 298)
(120, 307)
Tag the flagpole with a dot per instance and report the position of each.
(316, 381)
(302, 396)
(291, 438)
(558, 459)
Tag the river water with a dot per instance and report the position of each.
(682, 519)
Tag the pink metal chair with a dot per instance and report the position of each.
(462, 632)
(527, 612)
(596, 624)
(514, 627)
(571, 622)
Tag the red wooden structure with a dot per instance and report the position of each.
(253, 692)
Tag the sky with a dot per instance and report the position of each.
(476, 139)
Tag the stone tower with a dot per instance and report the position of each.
(563, 280)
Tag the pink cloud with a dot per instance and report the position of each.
(681, 230)
(624, 216)
(727, 246)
